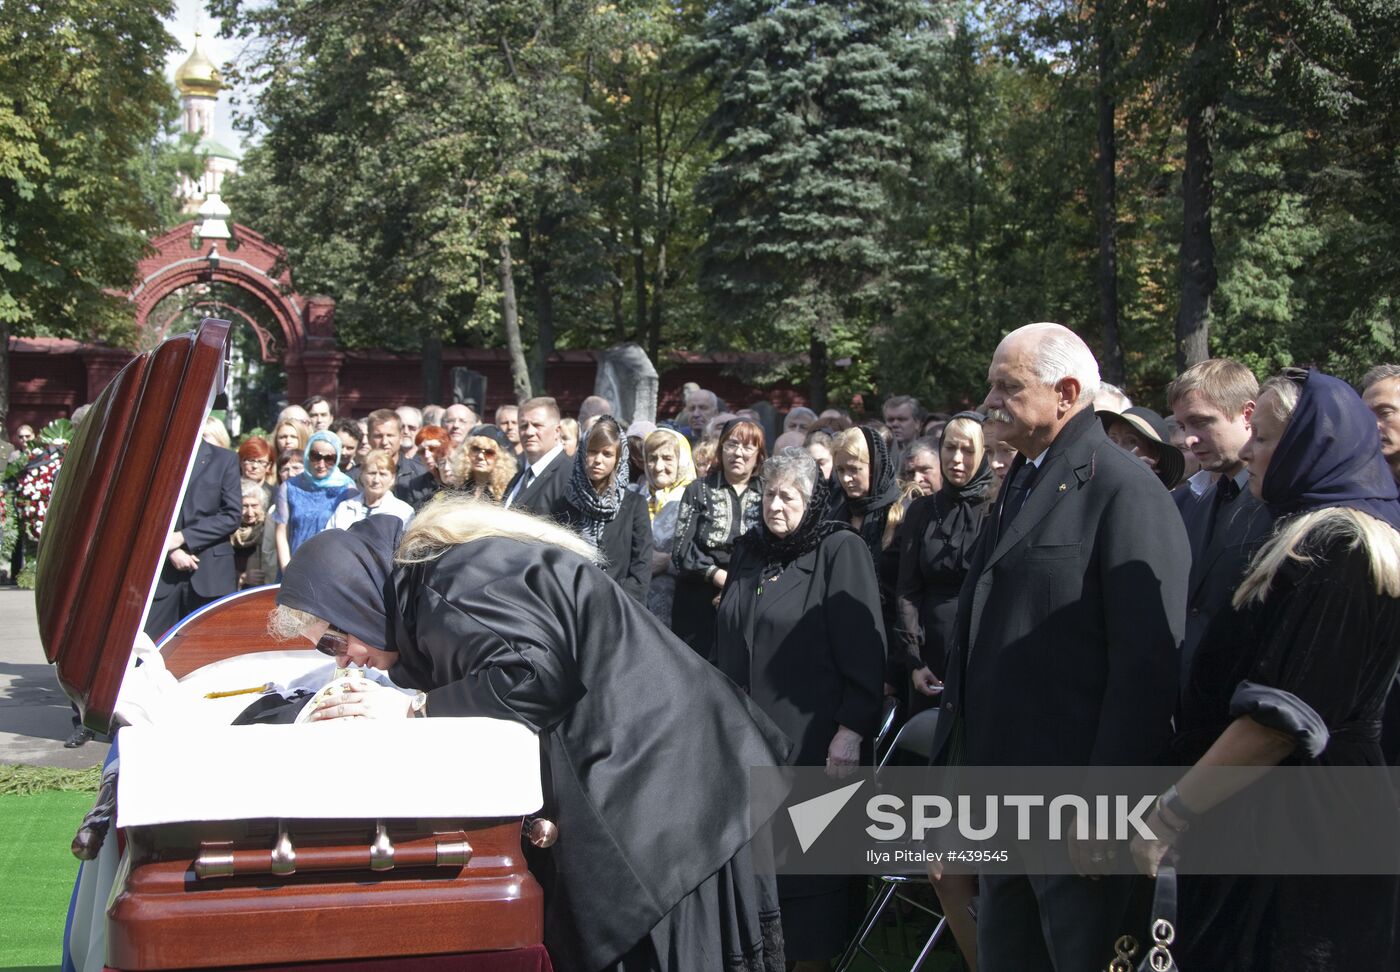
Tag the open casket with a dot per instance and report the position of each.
(261, 845)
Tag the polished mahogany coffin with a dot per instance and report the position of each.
(265, 892)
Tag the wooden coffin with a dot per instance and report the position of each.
(269, 889)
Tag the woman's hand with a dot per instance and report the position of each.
(719, 577)
(1148, 854)
(1090, 857)
(843, 755)
(361, 699)
(925, 682)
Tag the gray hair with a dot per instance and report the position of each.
(407, 413)
(285, 623)
(792, 466)
(714, 399)
(1286, 388)
(1061, 354)
(1379, 373)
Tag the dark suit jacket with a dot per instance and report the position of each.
(408, 484)
(547, 491)
(1217, 567)
(210, 512)
(626, 543)
(1070, 620)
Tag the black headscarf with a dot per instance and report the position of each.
(882, 494)
(776, 551)
(598, 511)
(1329, 455)
(346, 577)
(959, 510)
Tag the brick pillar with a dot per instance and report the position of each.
(102, 365)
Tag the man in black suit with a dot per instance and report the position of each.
(198, 566)
(385, 433)
(539, 486)
(1225, 524)
(1067, 635)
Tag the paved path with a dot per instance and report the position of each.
(35, 717)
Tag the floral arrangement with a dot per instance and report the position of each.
(29, 480)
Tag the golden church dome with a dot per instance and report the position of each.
(198, 75)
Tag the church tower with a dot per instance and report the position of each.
(199, 83)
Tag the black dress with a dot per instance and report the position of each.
(711, 519)
(939, 533)
(652, 868)
(626, 543)
(1323, 640)
(810, 651)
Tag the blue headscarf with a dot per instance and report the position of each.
(334, 479)
(1330, 455)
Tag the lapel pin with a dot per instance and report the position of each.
(1063, 487)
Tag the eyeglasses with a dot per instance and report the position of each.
(735, 447)
(255, 462)
(479, 451)
(333, 642)
(322, 457)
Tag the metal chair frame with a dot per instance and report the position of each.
(892, 886)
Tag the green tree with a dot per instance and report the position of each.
(807, 127)
(83, 110)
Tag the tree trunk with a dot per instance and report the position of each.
(817, 378)
(663, 232)
(639, 252)
(619, 313)
(542, 278)
(1111, 361)
(1197, 251)
(431, 368)
(4, 382)
(510, 320)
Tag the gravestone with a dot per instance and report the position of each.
(469, 388)
(627, 378)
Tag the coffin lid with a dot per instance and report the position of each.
(114, 503)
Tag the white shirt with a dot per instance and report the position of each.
(353, 510)
(532, 473)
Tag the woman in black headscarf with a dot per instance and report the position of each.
(612, 518)
(492, 612)
(870, 501)
(800, 631)
(936, 546)
(1297, 674)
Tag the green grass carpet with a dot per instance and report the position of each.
(36, 874)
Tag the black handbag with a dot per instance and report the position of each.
(1161, 931)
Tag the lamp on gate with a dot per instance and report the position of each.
(213, 220)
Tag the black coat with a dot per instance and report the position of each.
(626, 544)
(810, 650)
(630, 719)
(1070, 620)
(547, 490)
(407, 484)
(710, 520)
(209, 513)
(1217, 566)
(938, 537)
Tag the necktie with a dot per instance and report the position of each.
(524, 485)
(1226, 489)
(1016, 491)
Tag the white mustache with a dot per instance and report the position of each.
(997, 415)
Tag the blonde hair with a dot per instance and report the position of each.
(1226, 384)
(1303, 535)
(452, 520)
(970, 428)
(502, 471)
(218, 432)
(850, 442)
(380, 457)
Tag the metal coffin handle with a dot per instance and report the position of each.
(221, 859)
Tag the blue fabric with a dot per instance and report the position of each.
(1330, 455)
(309, 507)
(334, 478)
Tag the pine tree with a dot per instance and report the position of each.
(807, 129)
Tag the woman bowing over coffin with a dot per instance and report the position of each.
(647, 749)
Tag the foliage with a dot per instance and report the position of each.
(18, 780)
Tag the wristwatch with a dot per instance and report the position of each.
(418, 708)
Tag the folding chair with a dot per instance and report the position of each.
(915, 738)
(887, 717)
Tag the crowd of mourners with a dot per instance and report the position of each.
(1070, 578)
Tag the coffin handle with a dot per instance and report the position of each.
(381, 852)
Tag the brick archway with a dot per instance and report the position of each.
(251, 263)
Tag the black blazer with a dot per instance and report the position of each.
(626, 543)
(1070, 620)
(546, 493)
(809, 650)
(209, 513)
(1217, 567)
